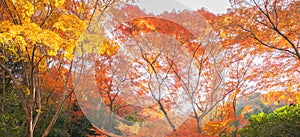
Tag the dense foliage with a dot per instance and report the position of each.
(238, 71)
(284, 121)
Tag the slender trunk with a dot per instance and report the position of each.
(39, 108)
(61, 104)
(19, 91)
(57, 112)
(2, 102)
(199, 123)
(29, 126)
(198, 126)
(32, 95)
(67, 116)
(235, 118)
(166, 116)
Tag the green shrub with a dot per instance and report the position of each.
(283, 122)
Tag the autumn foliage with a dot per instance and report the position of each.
(179, 73)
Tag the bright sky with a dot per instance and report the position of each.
(215, 6)
(158, 6)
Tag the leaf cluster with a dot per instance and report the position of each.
(283, 122)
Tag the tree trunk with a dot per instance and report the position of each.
(235, 118)
(2, 102)
(29, 127)
(166, 116)
(198, 126)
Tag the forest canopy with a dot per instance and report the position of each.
(109, 68)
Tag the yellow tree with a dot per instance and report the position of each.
(37, 36)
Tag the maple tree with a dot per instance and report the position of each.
(154, 76)
(268, 30)
(150, 24)
(145, 68)
(239, 63)
(263, 31)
